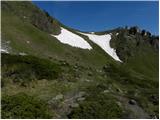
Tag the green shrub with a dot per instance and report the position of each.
(21, 68)
(23, 106)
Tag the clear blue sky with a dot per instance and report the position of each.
(104, 15)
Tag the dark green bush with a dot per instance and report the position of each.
(28, 68)
(23, 106)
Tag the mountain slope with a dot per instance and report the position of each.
(72, 72)
(21, 31)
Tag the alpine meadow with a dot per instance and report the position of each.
(50, 70)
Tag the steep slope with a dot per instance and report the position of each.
(22, 36)
(73, 74)
(26, 11)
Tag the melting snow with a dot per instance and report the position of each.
(4, 51)
(22, 54)
(104, 42)
(72, 39)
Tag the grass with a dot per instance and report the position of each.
(134, 85)
(51, 68)
(120, 80)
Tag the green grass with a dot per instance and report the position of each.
(51, 68)
(119, 77)
(145, 62)
(136, 85)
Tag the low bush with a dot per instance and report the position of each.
(21, 68)
(97, 107)
(23, 106)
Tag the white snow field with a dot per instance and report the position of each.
(104, 42)
(72, 39)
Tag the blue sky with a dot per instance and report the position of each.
(104, 15)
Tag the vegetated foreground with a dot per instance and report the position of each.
(44, 78)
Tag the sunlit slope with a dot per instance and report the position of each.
(27, 38)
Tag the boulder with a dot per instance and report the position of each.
(106, 91)
(132, 102)
(81, 99)
(90, 74)
(60, 96)
(74, 105)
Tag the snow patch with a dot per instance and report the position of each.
(72, 39)
(5, 47)
(22, 54)
(117, 34)
(104, 42)
(4, 51)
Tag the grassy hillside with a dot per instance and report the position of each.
(72, 91)
(28, 12)
(19, 32)
(55, 80)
